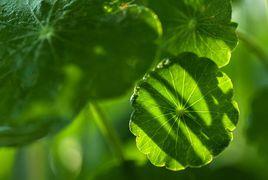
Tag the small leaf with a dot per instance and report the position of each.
(202, 27)
(257, 130)
(184, 113)
(56, 55)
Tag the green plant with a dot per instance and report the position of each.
(58, 57)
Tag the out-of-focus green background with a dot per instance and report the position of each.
(81, 152)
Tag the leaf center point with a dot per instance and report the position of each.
(192, 23)
(180, 112)
(46, 32)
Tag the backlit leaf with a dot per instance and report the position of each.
(184, 113)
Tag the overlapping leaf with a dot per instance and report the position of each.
(56, 54)
(184, 113)
(203, 27)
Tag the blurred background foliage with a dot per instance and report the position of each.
(81, 151)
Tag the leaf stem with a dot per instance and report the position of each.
(107, 130)
(253, 46)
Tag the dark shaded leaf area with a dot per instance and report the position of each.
(56, 55)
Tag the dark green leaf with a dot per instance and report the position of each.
(184, 113)
(56, 55)
(203, 27)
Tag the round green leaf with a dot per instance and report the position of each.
(56, 55)
(184, 113)
(203, 27)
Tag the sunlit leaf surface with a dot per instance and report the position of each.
(184, 113)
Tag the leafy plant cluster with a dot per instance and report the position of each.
(60, 56)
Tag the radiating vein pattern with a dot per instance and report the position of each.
(184, 112)
(203, 27)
